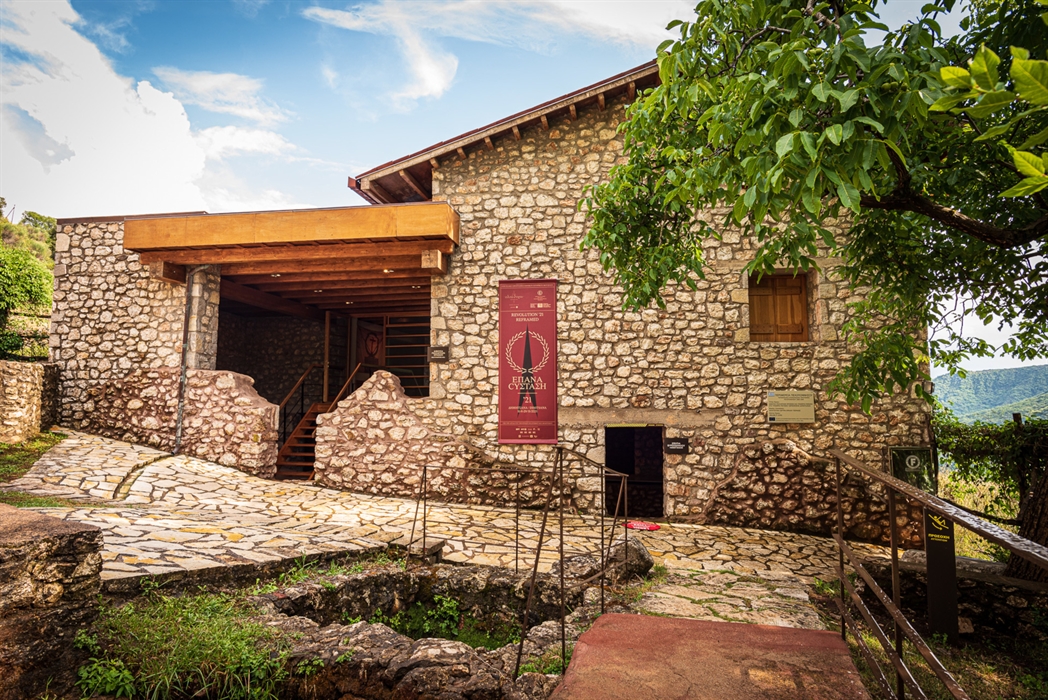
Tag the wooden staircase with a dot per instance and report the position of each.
(295, 459)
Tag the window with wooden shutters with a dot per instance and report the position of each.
(779, 308)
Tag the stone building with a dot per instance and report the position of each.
(358, 290)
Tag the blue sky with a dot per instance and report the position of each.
(144, 106)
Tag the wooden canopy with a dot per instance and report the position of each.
(351, 260)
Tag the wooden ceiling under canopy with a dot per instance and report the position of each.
(373, 260)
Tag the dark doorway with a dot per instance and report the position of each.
(636, 451)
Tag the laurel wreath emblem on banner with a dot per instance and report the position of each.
(513, 341)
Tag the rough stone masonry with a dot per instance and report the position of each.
(690, 367)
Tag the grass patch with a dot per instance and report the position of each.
(635, 589)
(21, 499)
(444, 619)
(990, 666)
(16, 459)
(161, 647)
(550, 662)
(303, 571)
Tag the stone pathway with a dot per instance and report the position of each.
(168, 513)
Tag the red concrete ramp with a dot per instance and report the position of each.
(638, 657)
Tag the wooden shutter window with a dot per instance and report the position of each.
(779, 308)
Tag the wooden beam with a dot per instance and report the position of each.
(631, 90)
(600, 101)
(253, 297)
(573, 112)
(382, 263)
(488, 143)
(326, 298)
(213, 256)
(166, 271)
(379, 292)
(434, 163)
(516, 132)
(377, 309)
(413, 184)
(371, 276)
(377, 191)
(461, 152)
(398, 221)
(393, 285)
(545, 122)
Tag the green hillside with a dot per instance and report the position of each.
(993, 395)
(1033, 407)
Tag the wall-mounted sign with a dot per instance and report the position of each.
(675, 446)
(915, 466)
(437, 353)
(528, 362)
(791, 406)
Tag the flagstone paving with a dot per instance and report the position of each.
(174, 513)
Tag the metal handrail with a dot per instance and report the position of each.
(338, 396)
(1031, 551)
(298, 384)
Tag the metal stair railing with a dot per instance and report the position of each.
(307, 390)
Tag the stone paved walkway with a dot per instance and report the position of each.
(166, 513)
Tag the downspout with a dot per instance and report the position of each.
(190, 275)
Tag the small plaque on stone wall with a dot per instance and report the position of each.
(437, 353)
(676, 446)
(791, 407)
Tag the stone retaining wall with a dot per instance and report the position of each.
(375, 442)
(225, 420)
(28, 399)
(776, 486)
(50, 577)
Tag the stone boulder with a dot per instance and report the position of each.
(366, 661)
(628, 558)
(50, 578)
(579, 567)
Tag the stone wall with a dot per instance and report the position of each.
(776, 486)
(225, 420)
(690, 367)
(50, 578)
(28, 399)
(374, 442)
(274, 350)
(110, 316)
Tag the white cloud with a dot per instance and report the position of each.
(330, 76)
(529, 24)
(249, 8)
(85, 140)
(218, 142)
(225, 93)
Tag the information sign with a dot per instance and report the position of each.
(791, 407)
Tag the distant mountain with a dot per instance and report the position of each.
(1033, 407)
(993, 395)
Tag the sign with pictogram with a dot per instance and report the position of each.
(528, 362)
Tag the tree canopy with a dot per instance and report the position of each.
(795, 118)
(25, 272)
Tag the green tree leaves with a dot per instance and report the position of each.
(784, 120)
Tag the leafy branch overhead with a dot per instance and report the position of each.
(782, 121)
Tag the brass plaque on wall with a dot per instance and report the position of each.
(791, 406)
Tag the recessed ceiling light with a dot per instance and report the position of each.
(416, 286)
(317, 291)
(275, 274)
(387, 270)
(349, 302)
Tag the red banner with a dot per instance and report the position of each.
(528, 362)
